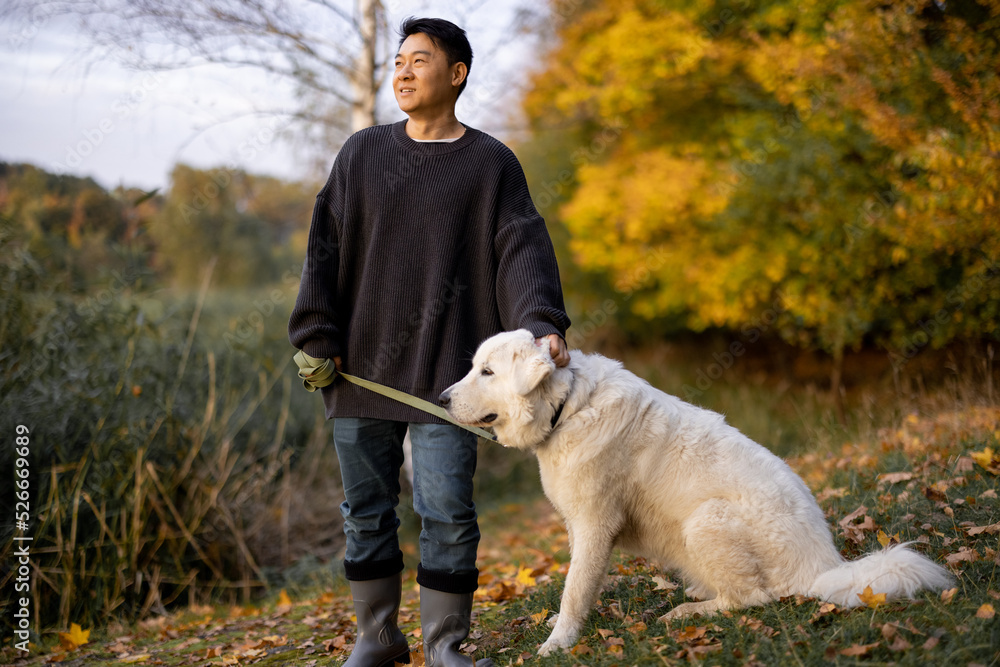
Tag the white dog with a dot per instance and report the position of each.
(629, 466)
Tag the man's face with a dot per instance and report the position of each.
(424, 82)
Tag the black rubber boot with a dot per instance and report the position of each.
(380, 642)
(445, 619)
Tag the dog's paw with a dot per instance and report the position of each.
(557, 641)
(549, 647)
(696, 593)
(703, 608)
(553, 620)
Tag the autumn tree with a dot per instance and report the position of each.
(205, 215)
(833, 163)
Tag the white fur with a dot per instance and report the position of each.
(632, 467)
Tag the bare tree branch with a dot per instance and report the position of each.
(327, 49)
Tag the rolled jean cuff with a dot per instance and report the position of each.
(374, 569)
(448, 582)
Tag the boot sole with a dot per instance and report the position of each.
(402, 658)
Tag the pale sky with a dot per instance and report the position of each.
(127, 127)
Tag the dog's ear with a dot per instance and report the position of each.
(536, 365)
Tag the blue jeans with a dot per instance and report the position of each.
(444, 460)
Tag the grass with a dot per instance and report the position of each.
(923, 480)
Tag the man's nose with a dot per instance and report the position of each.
(445, 398)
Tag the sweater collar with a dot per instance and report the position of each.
(432, 148)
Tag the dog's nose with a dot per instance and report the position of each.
(444, 399)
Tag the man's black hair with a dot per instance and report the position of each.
(446, 36)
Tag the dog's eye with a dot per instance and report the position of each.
(487, 371)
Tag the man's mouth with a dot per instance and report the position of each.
(406, 91)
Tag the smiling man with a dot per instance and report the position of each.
(424, 242)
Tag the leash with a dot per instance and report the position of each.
(318, 373)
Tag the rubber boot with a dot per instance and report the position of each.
(380, 642)
(445, 619)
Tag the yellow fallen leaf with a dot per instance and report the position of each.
(886, 540)
(947, 595)
(75, 638)
(663, 585)
(524, 577)
(139, 657)
(284, 602)
(986, 611)
(985, 458)
(540, 616)
(871, 599)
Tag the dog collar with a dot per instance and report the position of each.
(555, 417)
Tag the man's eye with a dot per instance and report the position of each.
(487, 371)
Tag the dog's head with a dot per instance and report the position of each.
(501, 389)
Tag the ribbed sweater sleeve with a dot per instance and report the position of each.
(529, 294)
(312, 325)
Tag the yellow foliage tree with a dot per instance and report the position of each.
(833, 162)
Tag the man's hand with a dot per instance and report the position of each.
(336, 364)
(557, 349)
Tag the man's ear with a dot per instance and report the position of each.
(535, 368)
(458, 74)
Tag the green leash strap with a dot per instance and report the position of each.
(318, 373)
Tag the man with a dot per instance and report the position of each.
(424, 242)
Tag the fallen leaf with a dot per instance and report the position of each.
(947, 595)
(75, 638)
(581, 649)
(992, 529)
(986, 611)
(284, 602)
(900, 644)
(524, 577)
(964, 554)
(886, 540)
(139, 657)
(638, 628)
(858, 649)
(895, 477)
(871, 599)
(540, 616)
(987, 459)
(664, 585)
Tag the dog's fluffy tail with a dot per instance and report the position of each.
(896, 571)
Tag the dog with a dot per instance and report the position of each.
(629, 466)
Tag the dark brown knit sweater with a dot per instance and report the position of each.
(417, 253)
